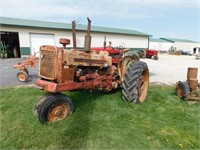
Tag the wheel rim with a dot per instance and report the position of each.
(58, 112)
(143, 85)
(22, 77)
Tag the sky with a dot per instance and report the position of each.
(159, 18)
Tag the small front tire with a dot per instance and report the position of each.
(55, 107)
(22, 76)
(182, 90)
(39, 103)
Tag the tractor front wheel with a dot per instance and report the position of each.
(136, 82)
(39, 103)
(155, 57)
(22, 76)
(182, 90)
(53, 107)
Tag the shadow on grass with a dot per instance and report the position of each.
(75, 137)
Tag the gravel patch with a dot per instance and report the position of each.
(8, 75)
(169, 69)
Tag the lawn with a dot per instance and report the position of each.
(101, 121)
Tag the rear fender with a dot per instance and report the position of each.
(123, 65)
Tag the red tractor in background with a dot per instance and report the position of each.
(151, 53)
(100, 68)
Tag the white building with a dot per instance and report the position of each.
(28, 35)
(165, 44)
(160, 45)
(183, 44)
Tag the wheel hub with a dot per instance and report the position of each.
(58, 112)
(22, 77)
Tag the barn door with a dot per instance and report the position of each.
(38, 40)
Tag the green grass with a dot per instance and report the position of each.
(101, 121)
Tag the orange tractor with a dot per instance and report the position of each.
(23, 73)
(86, 69)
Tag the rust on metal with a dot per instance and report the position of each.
(102, 82)
(76, 58)
(22, 77)
(29, 62)
(64, 42)
(68, 73)
(193, 83)
(88, 38)
(58, 112)
(23, 73)
(74, 34)
(89, 61)
(192, 73)
(48, 62)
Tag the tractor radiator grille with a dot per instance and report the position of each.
(47, 66)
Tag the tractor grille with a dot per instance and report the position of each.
(47, 66)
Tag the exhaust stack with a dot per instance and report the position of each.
(74, 34)
(104, 43)
(87, 45)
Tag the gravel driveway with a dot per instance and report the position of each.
(168, 70)
(8, 75)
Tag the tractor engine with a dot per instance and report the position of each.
(62, 70)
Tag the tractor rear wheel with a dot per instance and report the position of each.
(182, 90)
(22, 76)
(136, 82)
(55, 107)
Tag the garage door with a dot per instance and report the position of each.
(38, 40)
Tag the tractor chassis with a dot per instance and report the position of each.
(100, 83)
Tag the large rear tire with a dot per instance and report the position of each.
(136, 82)
(55, 107)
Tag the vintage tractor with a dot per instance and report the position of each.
(151, 53)
(23, 73)
(190, 89)
(98, 69)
